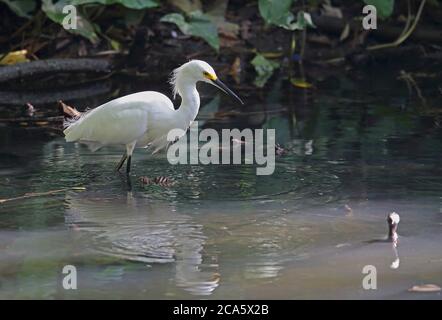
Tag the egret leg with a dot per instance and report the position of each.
(121, 162)
(128, 164)
(129, 184)
(129, 150)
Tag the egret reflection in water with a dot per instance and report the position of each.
(139, 230)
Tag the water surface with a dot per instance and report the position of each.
(222, 231)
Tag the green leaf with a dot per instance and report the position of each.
(276, 12)
(133, 17)
(383, 7)
(303, 21)
(301, 83)
(131, 4)
(216, 13)
(187, 6)
(197, 25)
(202, 26)
(22, 8)
(264, 69)
(115, 45)
(179, 20)
(54, 11)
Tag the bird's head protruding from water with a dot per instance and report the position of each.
(393, 221)
(198, 70)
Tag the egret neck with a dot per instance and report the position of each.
(190, 100)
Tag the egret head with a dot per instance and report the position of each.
(393, 221)
(198, 70)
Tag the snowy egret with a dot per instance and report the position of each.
(144, 119)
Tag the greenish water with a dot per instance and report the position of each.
(221, 231)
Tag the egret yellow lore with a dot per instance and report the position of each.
(143, 119)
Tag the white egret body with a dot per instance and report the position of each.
(144, 119)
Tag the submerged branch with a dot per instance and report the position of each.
(39, 194)
(32, 194)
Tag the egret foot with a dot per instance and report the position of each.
(129, 183)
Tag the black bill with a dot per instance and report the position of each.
(224, 88)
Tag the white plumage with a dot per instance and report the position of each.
(144, 119)
(122, 120)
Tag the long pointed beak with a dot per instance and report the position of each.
(223, 87)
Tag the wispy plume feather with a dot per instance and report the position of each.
(174, 80)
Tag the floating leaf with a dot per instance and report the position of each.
(22, 8)
(55, 12)
(14, 57)
(425, 288)
(383, 7)
(271, 55)
(301, 83)
(197, 25)
(264, 69)
(131, 4)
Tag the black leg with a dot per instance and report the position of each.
(129, 183)
(128, 164)
(120, 164)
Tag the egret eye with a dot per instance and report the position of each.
(209, 76)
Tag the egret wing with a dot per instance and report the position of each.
(109, 125)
